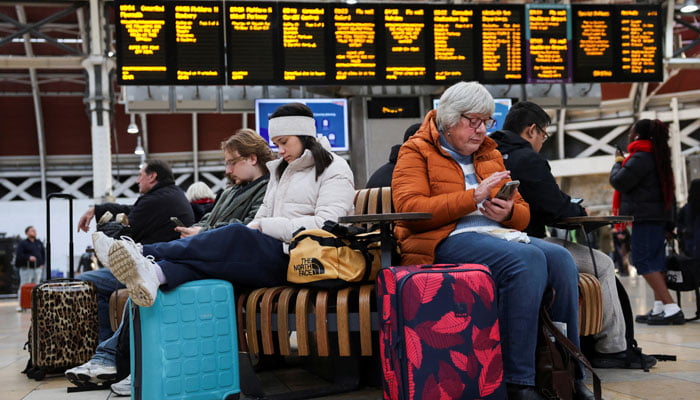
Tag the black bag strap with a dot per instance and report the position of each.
(570, 349)
(633, 350)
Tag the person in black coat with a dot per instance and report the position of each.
(29, 260)
(382, 176)
(520, 141)
(148, 222)
(644, 188)
(688, 223)
(149, 217)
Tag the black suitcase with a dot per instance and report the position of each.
(63, 333)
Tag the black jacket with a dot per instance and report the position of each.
(149, 217)
(27, 248)
(382, 176)
(537, 184)
(640, 189)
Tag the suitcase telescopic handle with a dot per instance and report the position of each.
(70, 198)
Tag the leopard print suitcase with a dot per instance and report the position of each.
(64, 326)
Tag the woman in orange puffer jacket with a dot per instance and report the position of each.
(451, 169)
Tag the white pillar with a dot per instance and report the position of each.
(97, 67)
(677, 157)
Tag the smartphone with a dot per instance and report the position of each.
(177, 221)
(506, 191)
(617, 146)
(576, 200)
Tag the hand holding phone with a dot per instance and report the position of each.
(177, 221)
(507, 190)
(618, 151)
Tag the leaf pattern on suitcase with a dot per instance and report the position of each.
(439, 334)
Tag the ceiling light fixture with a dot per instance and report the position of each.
(132, 128)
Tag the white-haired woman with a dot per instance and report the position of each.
(201, 198)
(308, 185)
(451, 169)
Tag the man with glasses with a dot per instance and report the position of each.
(520, 141)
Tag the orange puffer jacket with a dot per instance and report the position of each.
(427, 179)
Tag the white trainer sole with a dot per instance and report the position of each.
(124, 267)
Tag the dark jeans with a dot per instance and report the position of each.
(234, 253)
(521, 272)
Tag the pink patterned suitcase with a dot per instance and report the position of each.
(439, 333)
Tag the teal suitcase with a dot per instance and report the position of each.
(185, 346)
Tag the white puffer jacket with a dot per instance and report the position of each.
(298, 199)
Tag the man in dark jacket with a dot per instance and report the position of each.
(520, 141)
(29, 260)
(149, 222)
(382, 176)
(149, 217)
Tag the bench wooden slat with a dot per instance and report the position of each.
(366, 319)
(343, 322)
(266, 308)
(387, 203)
(322, 323)
(302, 308)
(251, 319)
(373, 201)
(240, 305)
(283, 321)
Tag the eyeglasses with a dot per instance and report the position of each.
(545, 135)
(476, 122)
(234, 161)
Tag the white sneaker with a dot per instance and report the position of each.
(134, 270)
(101, 243)
(123, 387)
(91, 372)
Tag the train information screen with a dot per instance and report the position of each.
(502, 52)
(404, 34)
(548, 38)
(249, 50)
(593, 43)
(198, 40)
(286, 43)
(639, 29)
(355, 35)
(453, 43)
(141, 43)
(304, 42)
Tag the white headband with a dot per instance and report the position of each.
(294, 125)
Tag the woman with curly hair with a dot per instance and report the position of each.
(644, 188)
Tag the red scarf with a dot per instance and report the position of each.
(202, 201)
(638, 145)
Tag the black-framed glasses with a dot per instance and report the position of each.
(545, 135)
(476, 122)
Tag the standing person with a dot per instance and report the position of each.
(382, 176)
(520, 141)
(30, 256)
(149, 222)
(451, 169)
(644, 189)
(689, 223)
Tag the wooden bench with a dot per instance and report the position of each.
(266, 316)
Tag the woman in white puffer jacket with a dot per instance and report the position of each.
(308, 186)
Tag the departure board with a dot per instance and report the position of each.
(640, 43)
(404, 30)
(593, 43)
(502, 52)
(250, 50)
(548, 36)
(212, 42)
(355, 31)
(453, 43)
(199, 38)
(141, 43)
(303, 42)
